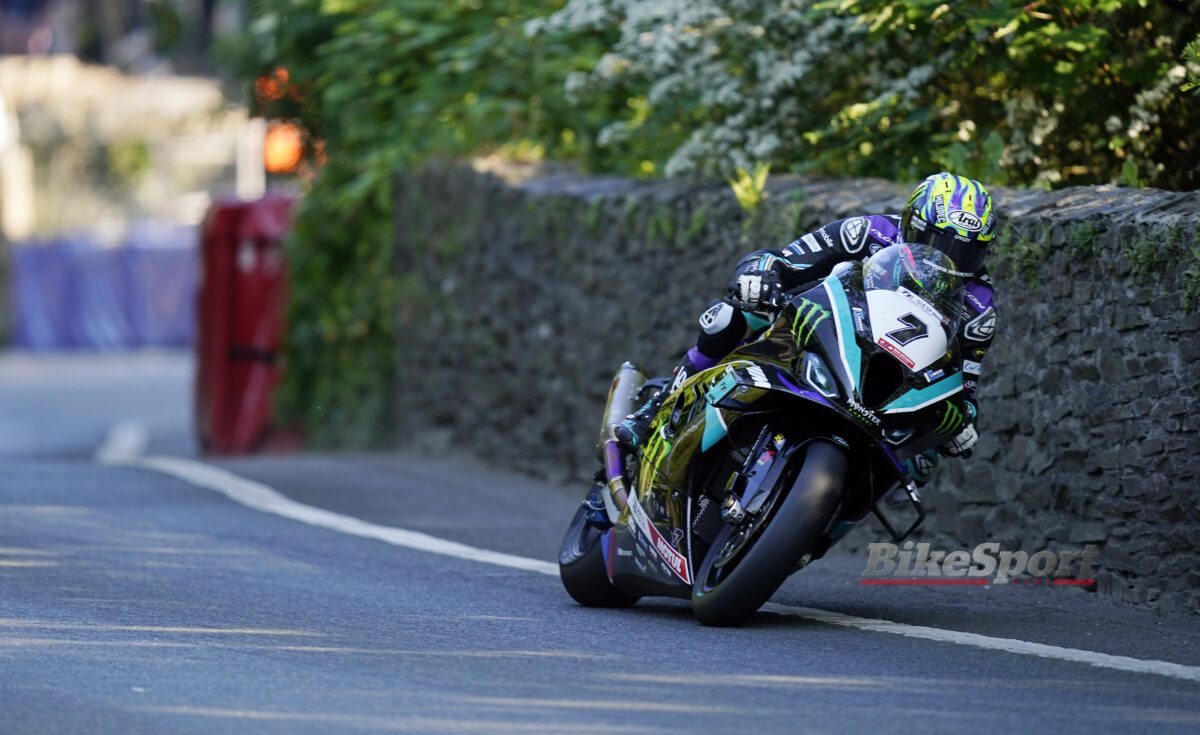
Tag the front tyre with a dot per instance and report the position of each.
(729, 586)
(581, 565)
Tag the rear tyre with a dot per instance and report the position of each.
(582, 569)
(731, 587)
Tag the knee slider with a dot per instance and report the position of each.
(721, 328)
(717, 318)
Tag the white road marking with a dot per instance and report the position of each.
(260, 497)
(1009, 645)
(124, 440)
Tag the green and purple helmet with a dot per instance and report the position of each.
(953, 214)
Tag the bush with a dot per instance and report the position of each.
(379, 86)
(1012, 92)
(1045, 94)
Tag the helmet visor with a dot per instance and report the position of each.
(968, 256)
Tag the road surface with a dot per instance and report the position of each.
(135, 600)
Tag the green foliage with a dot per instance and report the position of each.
(1191, 56)
(696, 224)
(1043, 94)
(1191, 279)
(1021, 251)
(385, 85)
(1007, 91)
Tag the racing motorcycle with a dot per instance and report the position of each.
(757, 466)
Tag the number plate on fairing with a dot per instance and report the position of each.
(907, 328)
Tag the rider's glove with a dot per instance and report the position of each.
(755, 291)
(960, 446)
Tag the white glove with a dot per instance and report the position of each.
(755, 290)
(961, 445)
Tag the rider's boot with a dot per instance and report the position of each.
(594, 504)
(632, 432)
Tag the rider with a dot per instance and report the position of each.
(951, 213)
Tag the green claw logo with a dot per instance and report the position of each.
(951, 420)
(808, 316)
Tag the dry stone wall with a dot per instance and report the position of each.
(524, 292)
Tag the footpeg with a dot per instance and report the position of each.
(732, 511)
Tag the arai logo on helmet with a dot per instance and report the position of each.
(965, 220)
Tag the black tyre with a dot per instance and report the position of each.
(582, 569)
(746, 564)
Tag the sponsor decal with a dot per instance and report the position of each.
(861, 412)
(932, 375)
(896, 352)
(758, 377)
(811, 242)
(826, 237)
(795, 248)
(988, 563)
(882, 237)
(853, 234)
(965, 220)
(981, 328)
(624, 552)
(943, 269)
(765, 457)
(808, 316)
(975, 301)
(971, 367)
(860, 320)
(673, 559)
(657, 448)
(952, 419)
(721, 386)
(929, 309)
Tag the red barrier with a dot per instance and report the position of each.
(243, 294)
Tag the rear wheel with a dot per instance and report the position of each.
(747, 562)
(581, 564)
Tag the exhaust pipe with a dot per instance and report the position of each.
(622, 401)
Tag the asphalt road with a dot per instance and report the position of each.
(132, 601)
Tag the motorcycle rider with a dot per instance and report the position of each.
(951, 213)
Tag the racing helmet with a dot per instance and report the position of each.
(953, 214)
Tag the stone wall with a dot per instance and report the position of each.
(525, 291)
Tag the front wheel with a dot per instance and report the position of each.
(747, 563)
(581, 565)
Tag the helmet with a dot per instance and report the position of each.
(953, 214)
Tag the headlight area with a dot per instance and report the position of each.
(817, 375)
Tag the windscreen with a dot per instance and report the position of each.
(921, 270)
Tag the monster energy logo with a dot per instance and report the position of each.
(808, 316)
(657, 448)
(951, 420)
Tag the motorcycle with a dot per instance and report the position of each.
(757, 466)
